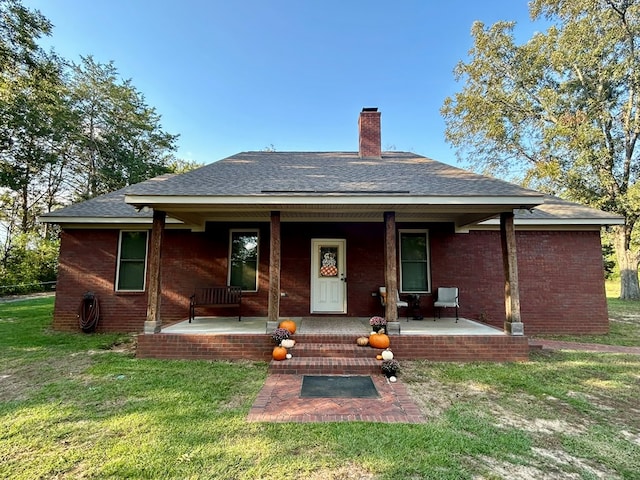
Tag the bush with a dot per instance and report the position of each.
(29, 261)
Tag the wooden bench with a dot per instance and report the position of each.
(215, 297)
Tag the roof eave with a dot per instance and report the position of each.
(520, 201)
(59, 219)
(599, 222)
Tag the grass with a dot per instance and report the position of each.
(82, 406)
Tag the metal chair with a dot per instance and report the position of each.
(399, 303)
(447, 298)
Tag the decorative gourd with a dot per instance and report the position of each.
(362, 341)
(287, 343)
(393, 379)
(378, 357)
(279, 353)
(387, 354)
(379, 340)
(289, 325)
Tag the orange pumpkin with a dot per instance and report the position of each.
(379, 340)
(289, 325)
(279, 353)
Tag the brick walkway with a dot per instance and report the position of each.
(279, 401)
(586, 347)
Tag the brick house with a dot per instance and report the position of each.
(523, 261)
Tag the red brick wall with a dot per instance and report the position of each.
(205, 347)
(88, 263)
(365, 270)
(561, 276)
(259, 347)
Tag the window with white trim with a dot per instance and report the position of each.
(132, 261)
(414, 261)
(243, 259)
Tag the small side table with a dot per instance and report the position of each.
(414, 304)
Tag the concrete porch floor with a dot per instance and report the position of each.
(331, 325)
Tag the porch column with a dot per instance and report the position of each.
(513, 322)
(153, 324)
(390, 270)
(274, 268)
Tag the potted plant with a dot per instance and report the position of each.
(377, 323)
(280, 334)
(390, 367)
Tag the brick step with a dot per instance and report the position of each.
(325, 366)
(343, 350)
(348, 339)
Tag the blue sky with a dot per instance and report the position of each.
(238, 75)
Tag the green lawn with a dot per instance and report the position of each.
(81, 406)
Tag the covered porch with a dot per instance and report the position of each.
(348, 326)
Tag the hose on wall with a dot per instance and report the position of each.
(89, 312)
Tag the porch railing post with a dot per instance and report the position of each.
(513, 322)
(274, 268)
(153, 323)
(390, 270)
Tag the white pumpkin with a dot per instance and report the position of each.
(393, 379)
(288, 342)
(387, 354)
(288, 356)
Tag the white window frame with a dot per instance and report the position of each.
(428, 259)
(119, 260)
(244, 230)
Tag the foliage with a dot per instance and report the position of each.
(20, 28)
(608, 259)
(36, 127)
(120, 140)
(390, 367)
(561, 111)
(68, 132)
(280, 334)
(30, 261)
(76, 405)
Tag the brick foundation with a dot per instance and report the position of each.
(258, 347)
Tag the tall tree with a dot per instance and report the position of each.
(20, 29)
(121, 139)
(35, 125)
(34, 116)
(560, 111)
(34, 121)
(66, 133)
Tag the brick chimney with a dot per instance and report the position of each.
(369, 131)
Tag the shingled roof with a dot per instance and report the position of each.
(272, 173)
(298, 174)
(326, 186)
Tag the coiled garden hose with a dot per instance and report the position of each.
(89, 312)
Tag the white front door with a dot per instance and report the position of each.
(328, 276)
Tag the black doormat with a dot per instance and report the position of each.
(315, 386)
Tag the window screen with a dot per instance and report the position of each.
(243, 262)
(133, 261)
(414, 262)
